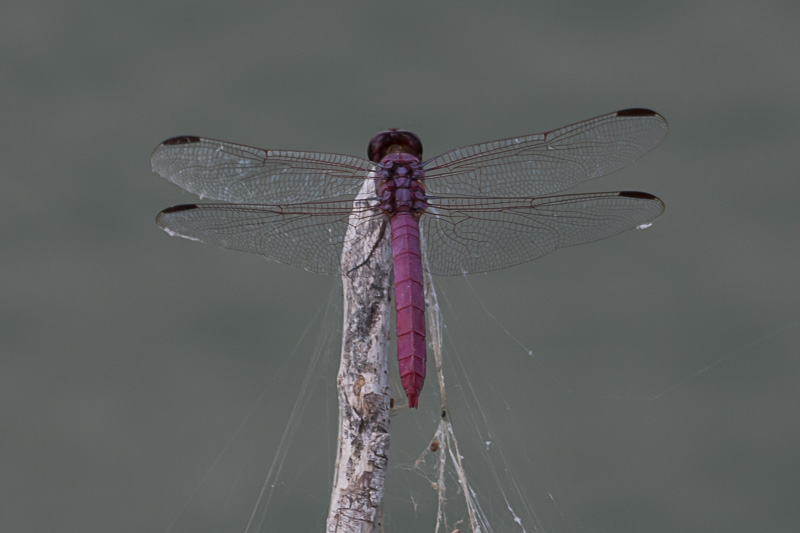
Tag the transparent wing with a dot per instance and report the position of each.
(548, 162)
(308, 235)
(236, 173)
(465, 235)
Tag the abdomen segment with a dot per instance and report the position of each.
(409, 304)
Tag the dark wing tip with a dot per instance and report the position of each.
(183, 139)
(637, 112)
(174, 209)
(642, 196)
(178, 209)
(633, 194)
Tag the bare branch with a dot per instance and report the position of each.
(364, 394)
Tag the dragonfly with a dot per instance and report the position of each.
(477, 208)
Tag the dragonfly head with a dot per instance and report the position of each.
(394, 141)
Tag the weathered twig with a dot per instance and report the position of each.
(364, 394)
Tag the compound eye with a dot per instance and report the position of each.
(391, 141)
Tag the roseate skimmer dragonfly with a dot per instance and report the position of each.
(479, 208)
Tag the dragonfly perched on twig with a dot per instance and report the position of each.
(482, 207)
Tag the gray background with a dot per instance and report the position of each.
(141, 372)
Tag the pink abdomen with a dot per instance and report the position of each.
(409, 303)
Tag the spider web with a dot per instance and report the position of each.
(493, 463)
(264, 467)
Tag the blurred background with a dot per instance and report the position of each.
(643, 383)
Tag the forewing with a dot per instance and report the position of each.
(548, 162)
(309, 235)
(236, 173)
(466, 235)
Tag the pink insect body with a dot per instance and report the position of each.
(402, 195)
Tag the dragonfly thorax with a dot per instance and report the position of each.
(401, 187)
